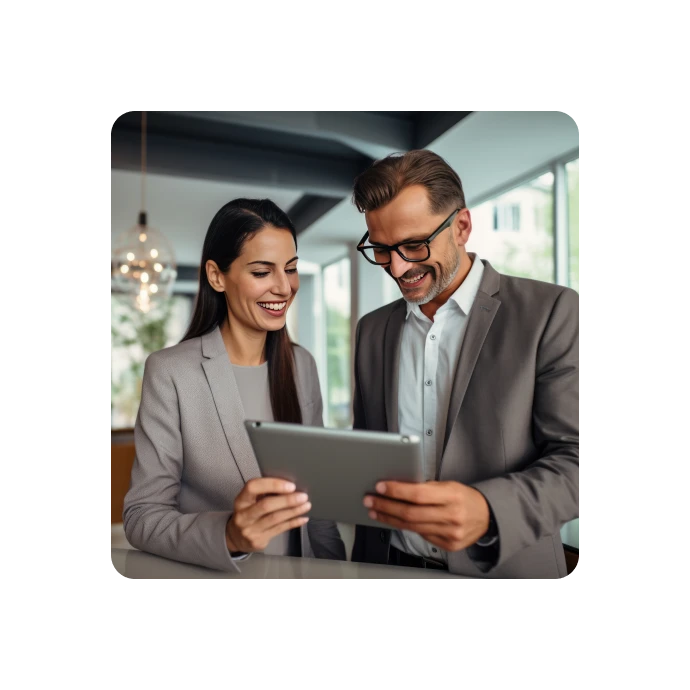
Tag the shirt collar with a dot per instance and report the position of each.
(464, 296)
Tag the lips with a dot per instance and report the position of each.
(272, 308)
(416, 282)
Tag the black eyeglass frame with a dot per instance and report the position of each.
(446, 224)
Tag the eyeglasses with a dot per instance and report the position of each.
(413, 251)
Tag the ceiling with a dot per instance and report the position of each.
(490, 150)
(306, 162)
(182, 208)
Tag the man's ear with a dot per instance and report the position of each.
(462, 227)
(215, 276)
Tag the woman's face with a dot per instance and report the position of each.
(262, 282)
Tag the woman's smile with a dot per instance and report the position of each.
(274, 308)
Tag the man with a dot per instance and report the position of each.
(483, 367)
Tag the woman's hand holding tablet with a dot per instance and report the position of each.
(263, 509)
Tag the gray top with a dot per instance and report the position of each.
(255, 394)
(252, 383)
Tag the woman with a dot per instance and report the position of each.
(196, 493)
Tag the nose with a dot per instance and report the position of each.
(398, 266)
(281, 286)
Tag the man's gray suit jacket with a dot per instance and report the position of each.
(512, 427)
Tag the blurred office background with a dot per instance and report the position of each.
(520, 172)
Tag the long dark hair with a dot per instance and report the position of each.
(235, 223)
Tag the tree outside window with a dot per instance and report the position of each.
(134, 336)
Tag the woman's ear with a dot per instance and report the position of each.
(215, 276)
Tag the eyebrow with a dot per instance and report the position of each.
(270, 263)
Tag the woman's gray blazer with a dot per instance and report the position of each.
(193, 455)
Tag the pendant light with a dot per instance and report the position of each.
(143, 261)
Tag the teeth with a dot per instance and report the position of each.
(272, 307)
(413, 280)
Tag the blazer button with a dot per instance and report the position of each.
(382, 536)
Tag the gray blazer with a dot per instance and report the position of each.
(512, 429)
(193, 455)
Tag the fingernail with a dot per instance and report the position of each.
(301, 498)
(368, 501)
(307, 506)
(304, 520)
(289, 486)
(372, 514)
(381, 488)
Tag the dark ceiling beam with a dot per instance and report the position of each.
(186, 273)
(372, 134)
(309, 208)
(431, 125)
(225, 162)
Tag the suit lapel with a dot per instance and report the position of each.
(226, 397)
(479, 322)
(391, 365)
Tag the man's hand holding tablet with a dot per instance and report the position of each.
(450, 515)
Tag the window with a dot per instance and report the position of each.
(529, 209)
(507, 217)
(526, 210)
(572, 171)
(336, 291)
(134, 336)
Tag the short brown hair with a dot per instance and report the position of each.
(386, 178)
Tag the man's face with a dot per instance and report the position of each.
(408, 217)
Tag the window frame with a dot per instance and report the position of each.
(561, 245)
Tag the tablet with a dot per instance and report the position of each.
(335, 467)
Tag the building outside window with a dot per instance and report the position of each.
(507, 217)
(527, 212)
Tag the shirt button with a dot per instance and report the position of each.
(433, 337)
(434, 549)
(382, 536)
(428, 382)
(429, 432)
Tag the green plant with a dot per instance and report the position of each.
(134, 336)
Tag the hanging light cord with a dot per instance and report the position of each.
(142, 215)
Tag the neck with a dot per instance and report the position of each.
(245, 347)
(430, 308)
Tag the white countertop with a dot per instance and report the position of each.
(134, 566)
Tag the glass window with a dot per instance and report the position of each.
(572, 171)
(336, 291)
(514, 231)
(391, 290)
(134, 336)
(507, 217)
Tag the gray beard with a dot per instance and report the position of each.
(441, 283)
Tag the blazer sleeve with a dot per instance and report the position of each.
(537, 501)
(152, 519)
(324, 536)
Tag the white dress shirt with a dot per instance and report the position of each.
(429, 353)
